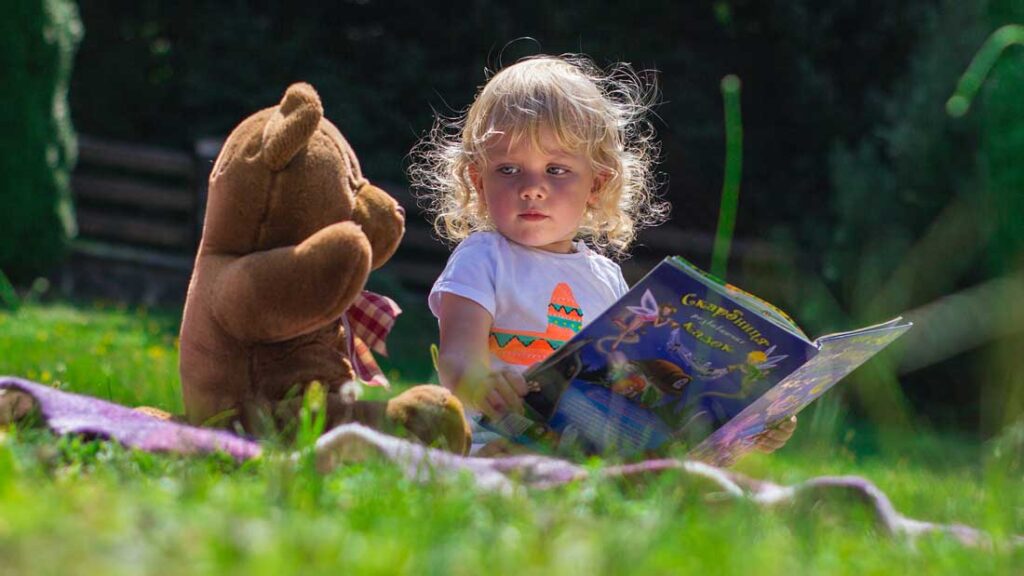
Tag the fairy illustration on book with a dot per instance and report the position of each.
(648, 312)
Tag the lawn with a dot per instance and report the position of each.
(72, 506)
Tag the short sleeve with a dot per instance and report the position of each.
(622, 287)
(609, 273)
(470, 273)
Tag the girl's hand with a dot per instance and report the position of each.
(776, 437)
(768, 441)
(505, 391)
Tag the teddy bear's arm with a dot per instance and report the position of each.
(286, 292)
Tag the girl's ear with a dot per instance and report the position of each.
(600, 179)
(477, 180)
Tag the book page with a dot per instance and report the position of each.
(838, 336)
(839, 355)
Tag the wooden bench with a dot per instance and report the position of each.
(139, 212)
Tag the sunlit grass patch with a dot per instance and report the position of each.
(124, 355)
(71, 505)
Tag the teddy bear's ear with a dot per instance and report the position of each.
(291, 126)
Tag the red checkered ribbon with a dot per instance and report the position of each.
(367, 323)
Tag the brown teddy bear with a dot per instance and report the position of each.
(292, 231)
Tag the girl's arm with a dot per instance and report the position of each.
(464, 360)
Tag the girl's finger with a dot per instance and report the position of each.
(493, 406)
(508, 393)
(788, 424)
(518, 383)
(767, 444)
(783, 432)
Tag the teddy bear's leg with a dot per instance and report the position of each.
(15, 405)
(286, 292)
(431, 414)
(434, 415)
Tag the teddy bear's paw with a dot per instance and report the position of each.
(433, 415)
(15, 405)
(156, 413)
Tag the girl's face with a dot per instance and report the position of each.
(536, 196)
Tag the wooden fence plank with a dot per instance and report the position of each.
(129, 228)
(137, 157)
(132, 255)
(128, 191)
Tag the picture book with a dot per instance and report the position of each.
(683, 358)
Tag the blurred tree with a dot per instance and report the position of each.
(891, 183)
(925, 205)
(1002, 167)
(1002, 146)
(170, 72)
(38, 39)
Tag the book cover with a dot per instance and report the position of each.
(683, 358)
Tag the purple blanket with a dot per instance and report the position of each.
(67, 413)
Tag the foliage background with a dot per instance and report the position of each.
(874, 200)
(37, 149)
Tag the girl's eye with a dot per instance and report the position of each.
(557, 170)
(507, 170)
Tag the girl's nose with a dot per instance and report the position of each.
(532, 190)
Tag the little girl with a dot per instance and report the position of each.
(550, 167)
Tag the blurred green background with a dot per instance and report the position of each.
(871, 199)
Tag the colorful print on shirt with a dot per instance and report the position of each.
(524, 347)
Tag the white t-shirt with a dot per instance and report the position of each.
(537, 299)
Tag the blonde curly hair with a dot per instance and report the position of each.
(600, 114)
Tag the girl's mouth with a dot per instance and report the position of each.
(532, 216)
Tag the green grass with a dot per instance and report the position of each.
(69, 506)
(127, 356)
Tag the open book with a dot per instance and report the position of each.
(683, 358)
